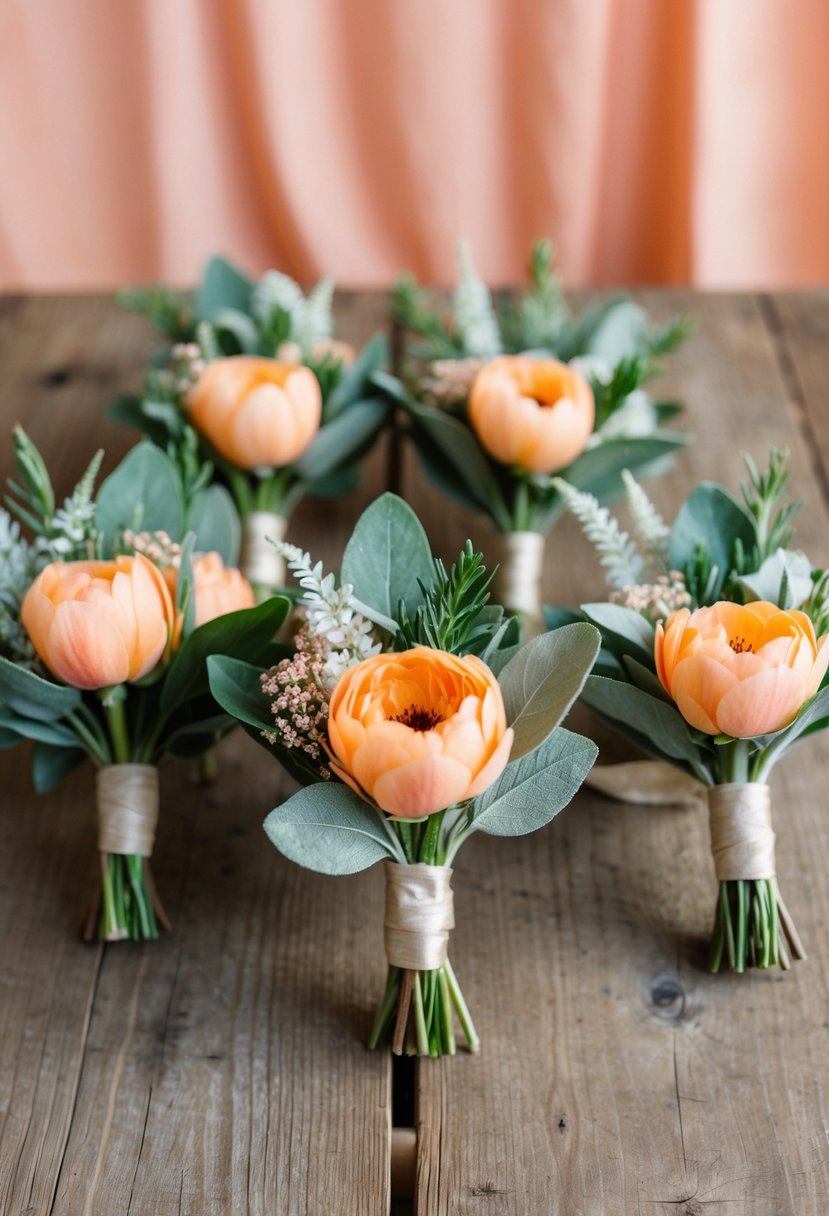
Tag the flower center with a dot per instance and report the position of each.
(417, 718)
(740, 645)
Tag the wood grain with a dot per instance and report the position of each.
(617, 1076)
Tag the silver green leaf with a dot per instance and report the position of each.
(329, 829)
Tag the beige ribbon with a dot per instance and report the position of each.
(259, 561)
(517, 582)
(127, 808)
(419, 915)
(742, 838)
(646, 783)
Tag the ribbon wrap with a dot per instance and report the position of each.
(127, 796)
(259, 561)
(517, 582)
(742, 838)
(419, 915)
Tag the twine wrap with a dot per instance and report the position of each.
(742, 838)
(517, 583)
(259, 561)
(419, 915)
(127, 796)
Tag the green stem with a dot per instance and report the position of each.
(446, 1028)
(419, 1019)
(742, 926)
(116, 717)
(431, 837)
(387, 1007)
(462, 1010)
(97, 749)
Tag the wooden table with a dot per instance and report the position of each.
(222, 1069)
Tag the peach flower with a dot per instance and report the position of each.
(256, 413)
(99, 623)
(740, 670)
(219, 589)
(536, 414)
(419, 731)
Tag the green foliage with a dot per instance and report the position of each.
(329, 829)
(387, 560)
(764, 495)
(170, 312)
(450, 616)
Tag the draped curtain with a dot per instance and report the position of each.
(655, 140)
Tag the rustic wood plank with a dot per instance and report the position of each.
(616, 1075)
(222, 1068)
(799, 326)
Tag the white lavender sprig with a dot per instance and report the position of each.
(623, 563)
(651, 530)
(473, 310)
(331, 615)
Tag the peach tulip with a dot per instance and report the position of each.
(256, 413)
(740, 670)
(419, 731)
(534, 414)
(219, 588)
(95, 624)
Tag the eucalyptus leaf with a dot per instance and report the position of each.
(241, 326)
(624, 630)
(53, 732)
(766, 583)
(222, 287)
(622, 333)
(144, 493)
(329, 829)
(129, 411)
(237, 687)
(542, 681)
(51, 764)
(242, 635)
(712, 516)
(342, 439)
(355, 379)
(215, 521)
(28, 694)
(657, 721)
(532, 790)
(386, 555)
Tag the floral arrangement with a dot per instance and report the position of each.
(502, 396)
(714, 659)
(279, 407)
(105, 625)
(411, 719)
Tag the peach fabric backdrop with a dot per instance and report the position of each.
(656, 140)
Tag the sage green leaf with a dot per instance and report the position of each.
(328, 828)
(215, 521)
(342, 439)
(623, 629)
(53, 732)
(241, 326)
(355, 379)
(712, 516)
(242, 635)
(144, 493)
(656, 720)
(643, 677)
(767, 582)
(531, 791)
(222, 286)
(622, 333)
(386, 555)
(28, 694)
(542, 681)
(51, 764)
(237, 687)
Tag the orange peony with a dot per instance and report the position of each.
(417, 732)
(740, 670)
(99, 623)
(255, 412)
(536, 414)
